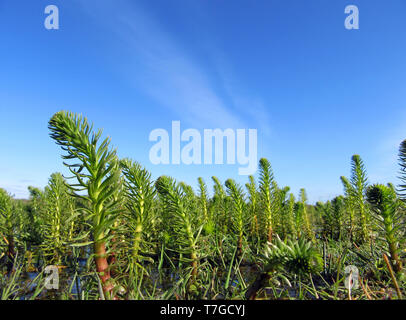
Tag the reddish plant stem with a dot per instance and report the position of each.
(102, 267)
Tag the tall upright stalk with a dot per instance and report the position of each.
(139, 192)
(203, 199)
(178, 221)
(97, 173)
(350, 206)
(266, 186)
(303, 201)
(7, 223)
(253, 202)
(237, 198)
(359, 182)
(386, 207)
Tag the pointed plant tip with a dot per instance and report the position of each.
(356, 157)
(229, 182)
(403, 147)
(264, 161)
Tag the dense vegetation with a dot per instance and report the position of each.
(114, 233)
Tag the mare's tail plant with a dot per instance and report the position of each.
(305, 216)
(139, 193)
(237, 197)
(297, 257)
(57, 230)
(220, 204)
(253, 208)
(349, 205)
(7, 225)
(266, 188)
(203, 199)
(385, 206)
(179, 220)
(289, 214)
(97, 173)
(359, 183)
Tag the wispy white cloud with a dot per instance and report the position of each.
(160, 65)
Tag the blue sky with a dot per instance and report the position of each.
(316, 92)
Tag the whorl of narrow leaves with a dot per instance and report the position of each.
(218, 188)
(359, 178)
(349, 204)
(97, 172)
(179, 220)
(5, 204)
(252, 189)
(188, 190)
(266, 185)
(266, 177)
(385, 205)
(297, 256)
(338, 208)
(6, 213)
(290, 215)
(7, 226)
(139, 193)
(402, 163)
(307, 228)
(220, 207)
(359, 184)
(58, 223)
(101, 175)
(164, 185)
(237, 197)
(203, 198)
(253, 217)
(347, 186)
(139, 189)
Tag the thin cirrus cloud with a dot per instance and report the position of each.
(164, 70)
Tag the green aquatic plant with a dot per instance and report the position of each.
(179, 223)
(58, 221)
(220, 207)
(298, 257)
(266, 188)
(97, 173)
(305, 216)
(349, 206)
(119, 234)
(338, 208)
(7, 227)
(386, 207)
(359, 184)
(253, 208)
(239, 206)
(139, 193)
(203, 199)
(289, 216)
